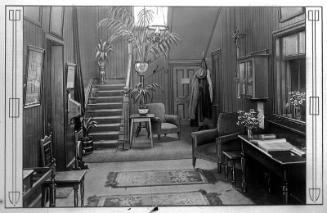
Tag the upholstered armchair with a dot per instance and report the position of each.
(163, 123)
(209, 144)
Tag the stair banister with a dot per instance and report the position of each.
(126, 99)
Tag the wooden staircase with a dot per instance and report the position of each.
(105, 106)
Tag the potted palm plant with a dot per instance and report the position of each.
(87, 124)
(142, 95)
(103, 48)
(146, 45)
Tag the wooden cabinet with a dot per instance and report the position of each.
(252, 75)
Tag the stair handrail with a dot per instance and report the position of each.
(126, 100)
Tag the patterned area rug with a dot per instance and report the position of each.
(197, 198)
(156, 178)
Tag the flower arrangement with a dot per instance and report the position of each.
(248, 119)
(296, 98)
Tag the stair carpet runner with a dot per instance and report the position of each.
(105, 106)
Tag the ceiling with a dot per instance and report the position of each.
(194, 25)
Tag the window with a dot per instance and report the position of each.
(290, 75)
(159, 15)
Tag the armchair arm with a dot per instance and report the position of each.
(204, 136)
(173, 119)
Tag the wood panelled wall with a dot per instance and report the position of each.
(258, 24)
(117, 60)
(32, 117)
(34, 127)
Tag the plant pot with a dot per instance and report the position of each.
(143, 111)
(88, 146)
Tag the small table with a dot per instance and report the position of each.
(280, 164)
(137, 118)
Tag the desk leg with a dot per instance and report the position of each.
(131, 134)
(243, 165)
(76, 195)
(285, 187)
(82, 192)
(150, 129)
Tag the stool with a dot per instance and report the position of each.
(232, 157)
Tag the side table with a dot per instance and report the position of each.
(137, 118)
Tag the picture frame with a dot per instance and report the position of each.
(33, 76)
(56, 25)
(70, 73)
(287, 13)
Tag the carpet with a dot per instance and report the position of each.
(63, 192)
(195, 198)
(155, 178)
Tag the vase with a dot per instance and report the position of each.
(297, 113)
(102, 72)
(141, 67)
(250, 134)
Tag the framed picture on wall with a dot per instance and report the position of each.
(34, 69)
(57, 21)
(287, 13)
(70, 76)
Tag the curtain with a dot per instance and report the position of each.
(79, 95)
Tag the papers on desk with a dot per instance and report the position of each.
(280, 144)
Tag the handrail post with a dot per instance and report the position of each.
(126, 99)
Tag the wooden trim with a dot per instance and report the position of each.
(290, 29)
(182, 62)
(71, 163)
(39, 23)
(281, 19)
(212, 32)
(62, 25)
(54, 40)
(292, 125)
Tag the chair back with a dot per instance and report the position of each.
(78, 139)
(227, 123)
(158, 109)
(47, 158)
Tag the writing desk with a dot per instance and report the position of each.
(278, 162)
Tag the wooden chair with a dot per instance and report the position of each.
(210, 144)
(71, 178)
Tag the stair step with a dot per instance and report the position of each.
(105, 105)
(104, 112)
(105, 93)
(108, 86)
(105, 99)
(106, 127)
(107, 119)
(105, 135)
(106, 143)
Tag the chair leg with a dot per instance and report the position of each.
(219, 167)
(193, 161)
(226, 170)
(76, 195)
(233, 172)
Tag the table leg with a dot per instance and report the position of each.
(131, 134)
(243, 165)
(82, 192)
(76, 194)
(285, 187)
(150, 129)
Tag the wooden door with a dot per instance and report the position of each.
(182, 81)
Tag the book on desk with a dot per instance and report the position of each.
(280, 146)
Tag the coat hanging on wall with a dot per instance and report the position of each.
(201, 94)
